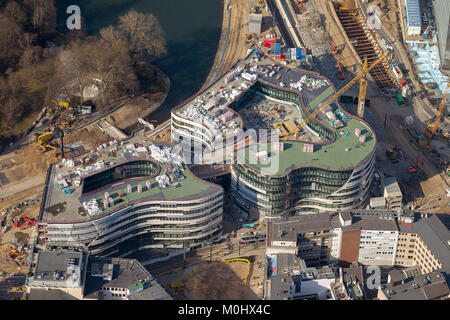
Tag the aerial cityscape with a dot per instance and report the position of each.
(225, 150)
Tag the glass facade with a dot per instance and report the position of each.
(132, 169)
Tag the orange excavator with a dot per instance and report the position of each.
(341, 75)
(414, 169)
(334, 51)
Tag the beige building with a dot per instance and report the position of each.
(392, 193)
(424, 243)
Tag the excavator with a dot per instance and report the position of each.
(414, 168)
(334, 51)
(341, 75)
(330, 100)
(431, 128)
(13, 254)
(349, 6)
(43, 138)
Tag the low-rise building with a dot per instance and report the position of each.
(68, 275)
(430, 286)
(288, 278)
(350, 284)
(62, 273)
(392, 193)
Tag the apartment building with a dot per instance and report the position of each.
(425, 243)
(370, 237)
(378, 242)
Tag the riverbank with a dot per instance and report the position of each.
(141, 106)
(232, 45)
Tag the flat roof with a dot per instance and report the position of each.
(331, 156)
(288, 228)
(61, 207)
(127, 274)
(52, 267)
(426, 287)
(315, 89)
(413, 16)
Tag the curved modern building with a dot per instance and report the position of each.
(330, 167)
(130, 198)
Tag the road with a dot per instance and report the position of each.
(6, 283)
(23, 185)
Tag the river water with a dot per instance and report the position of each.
(192, 31)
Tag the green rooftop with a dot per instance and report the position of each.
(332, 155)
(321, 97)
(135, 286)
(189, 186)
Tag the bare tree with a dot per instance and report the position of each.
(11, 42)
(113, 67)
(98, 64)
(143, 34)
(113, 36)
(44, 14)
(15, 12)
(72, 67)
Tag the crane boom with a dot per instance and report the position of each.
(339, 93)
(362, 92)
(431, 128)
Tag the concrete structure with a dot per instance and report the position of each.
(308, 237)
(350, 284)
(254, 23)
(441, 12)
(392, 193)
(68, 275)
(61, 271)
(430, 286)
(292, 280)
(121, 279)
(133, 197)
(377, 203)
(413, 17)
(378, 242)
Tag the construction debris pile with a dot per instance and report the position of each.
(427, 60)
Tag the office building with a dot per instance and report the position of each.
(333, 171)
(131, 197)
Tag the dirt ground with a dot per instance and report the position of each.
(90, 136)
(163, 136)
(434, 188)
(236, 43)
(139, 107)
(222, 282)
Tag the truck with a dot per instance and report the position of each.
(400, 100)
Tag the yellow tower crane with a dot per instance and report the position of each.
(336, 95)
(362, 91)
(431, 128)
